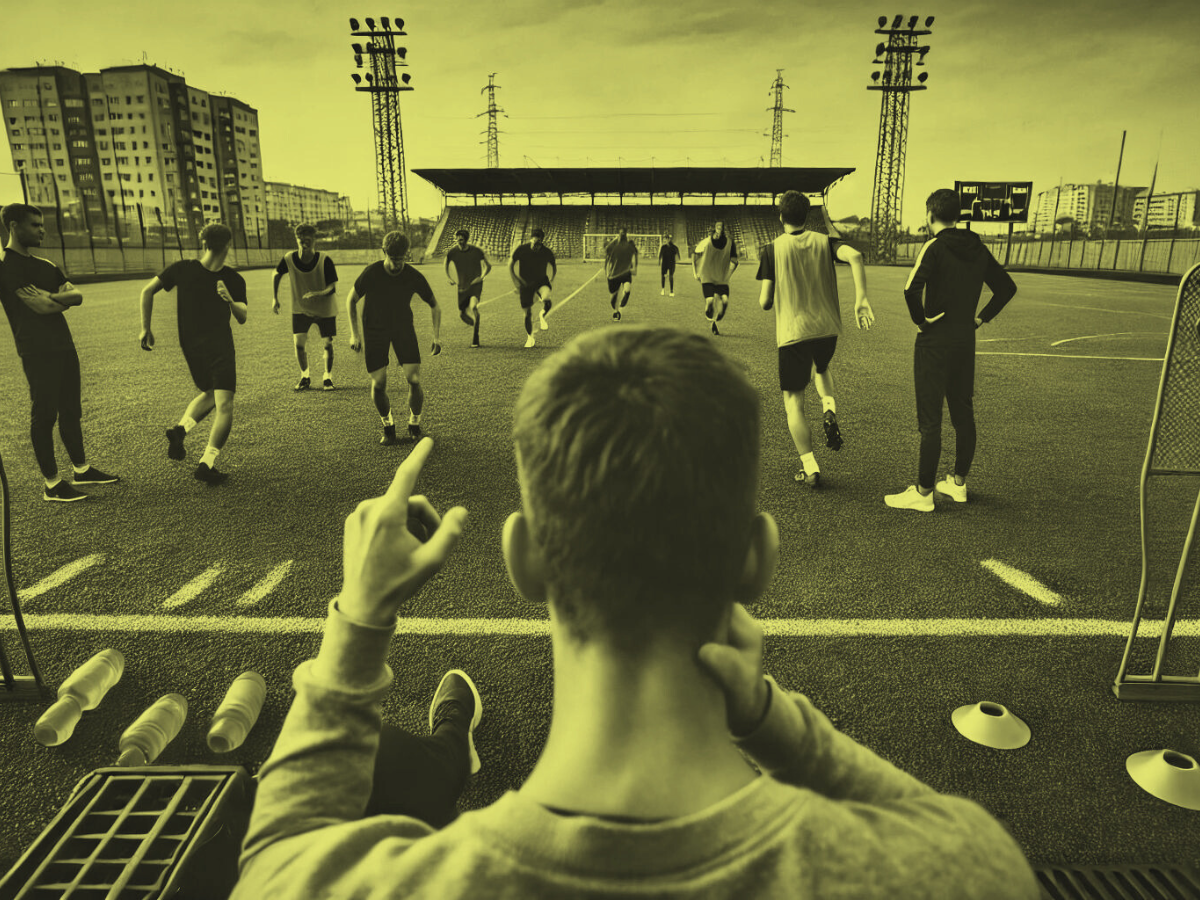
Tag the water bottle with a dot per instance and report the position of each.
(83, 690)
(145, 739)
(237, 713)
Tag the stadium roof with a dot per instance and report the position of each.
(691, 180)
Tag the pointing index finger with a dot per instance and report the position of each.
(406, 475)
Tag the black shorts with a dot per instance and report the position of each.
(796, 361)
(55, 386)
(376, 345)
(711, 290)
(211, 360)
(528, 293)
(614, 283)
(465, 295)
(301, 322)
(668, 266)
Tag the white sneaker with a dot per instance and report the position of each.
(663, 292)
(910, 499)
(953, 490)
(672, 293)
(529, 342)
(542, 321)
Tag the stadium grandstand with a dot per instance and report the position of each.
(509, 212)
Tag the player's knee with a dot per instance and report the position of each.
(300, 340)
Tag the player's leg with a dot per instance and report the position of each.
(614, 290)
(327, 325)
(301, 323)
(662, 282)
(671, 276)
(709, 290)
(476, 315)
(795, 371)
(960, 390)
(464, 300)
(721, 301)
(528, 293)
(43, 378)
(70, 423)
(929, 381)
(416, 398)
(544, 296)
(223, 383)
(823, 379)
(626, 288)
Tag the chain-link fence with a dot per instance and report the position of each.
(1156, 255)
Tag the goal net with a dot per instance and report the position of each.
(647, 245)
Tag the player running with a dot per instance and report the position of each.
(528, 270)
(948, 277)
(207, 292)
(35, 293)
(313, 280)
(620, 265)
(714, 261)
(467, 259)
(667, 254)
(796, 270)
(387, 289)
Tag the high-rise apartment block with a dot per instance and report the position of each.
(1090, 205)
(295, 204)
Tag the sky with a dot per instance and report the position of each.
(1026, 90)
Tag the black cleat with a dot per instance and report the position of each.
(95, 476)
(617, 315)
(389, 436)
(833, 437)
(63, 493)
(209, 475)
(812, 480)
(475, 345)
(175, 449)
(414, 432)
(714, 329)
(304, 384)
(328, 384)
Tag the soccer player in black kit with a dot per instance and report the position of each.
(667, 254)
(528, 268)
(387, 289)
(35, 293)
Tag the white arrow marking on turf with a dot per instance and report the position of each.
(1022, 582)
(66, 573)
(193, 588)
(266, 585)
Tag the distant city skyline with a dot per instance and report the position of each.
(1038, 92)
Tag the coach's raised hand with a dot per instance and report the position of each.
(383, 562)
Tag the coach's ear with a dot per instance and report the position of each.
(523, 559)
(761, 558)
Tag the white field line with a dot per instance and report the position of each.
(561, 303)
(1126, 312)
(193, 588)
(1156, 359)
(497, 297)
(1089, 337)
(265, 585)
(833, 628)
(54, 579)
(1022, 581)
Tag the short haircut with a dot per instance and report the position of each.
(466, 234)
(17, 213)
(302, 230)
(639, 458)
(944, 204)
(537, 232)
(395, 244)
(216, 237)
(793, 208)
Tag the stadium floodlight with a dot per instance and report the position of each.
(921, 78)
(406, 78)
(879, 50)
(402, 52)
(929, 22)
(399, 24)
(383, 23)
(875, 76)
(882, 21)
(353, 24)
(358, 60)
(921, 55)
(887, 77)
(370, 78)
(895, 22)
(912, 22)
(370, 23)
(357, 78)
(370, 48)
(357, 49)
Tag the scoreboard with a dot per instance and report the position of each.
(994, 201)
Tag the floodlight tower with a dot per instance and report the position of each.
(777, 125)
(493, 139)
(887, 194)
(384, 88)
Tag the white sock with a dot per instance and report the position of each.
(79, 470)
(387, 420)
(304, 374)
(809, 461)
(828, 404)
(188, 423)
(210, 456)
(52, 482)
(414, 418)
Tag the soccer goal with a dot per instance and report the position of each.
(647, 245)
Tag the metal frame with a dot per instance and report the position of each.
(1157, 686)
